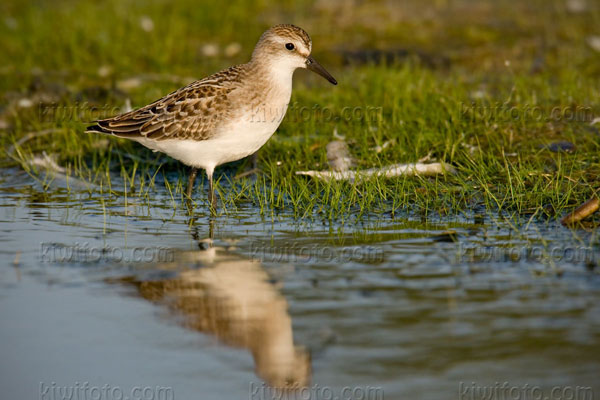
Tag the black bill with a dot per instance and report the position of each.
(314, 66)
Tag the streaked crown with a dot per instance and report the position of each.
(275, 39)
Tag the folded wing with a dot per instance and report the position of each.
(192, 112)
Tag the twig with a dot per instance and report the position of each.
(581, 212)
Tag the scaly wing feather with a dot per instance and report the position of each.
(192, 112)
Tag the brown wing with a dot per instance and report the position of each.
(191, 112)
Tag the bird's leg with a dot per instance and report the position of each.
(254, 160)
(191, 180)
(212, 199)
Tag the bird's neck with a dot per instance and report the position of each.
(274, 80)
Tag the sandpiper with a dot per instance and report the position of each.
(226, 116)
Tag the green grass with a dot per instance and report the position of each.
(489, 118)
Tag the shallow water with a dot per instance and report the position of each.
(135, 295)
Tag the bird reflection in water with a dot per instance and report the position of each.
(233, 299)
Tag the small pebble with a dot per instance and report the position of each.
(576, 6)
(104, 71)
(25, 103)
(479, 94)
(146, 23)
(594, 42)
(128, 84)
(210, 50)
(562, 146)
(232, 49)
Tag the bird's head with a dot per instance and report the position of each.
(288, 47)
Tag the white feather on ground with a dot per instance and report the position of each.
(388, 171)
(340, 161)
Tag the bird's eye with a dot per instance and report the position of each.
(289, 46)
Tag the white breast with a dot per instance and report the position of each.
(239, 137)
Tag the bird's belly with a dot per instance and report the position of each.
(233, 143)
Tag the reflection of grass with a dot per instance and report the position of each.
(71, 53)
